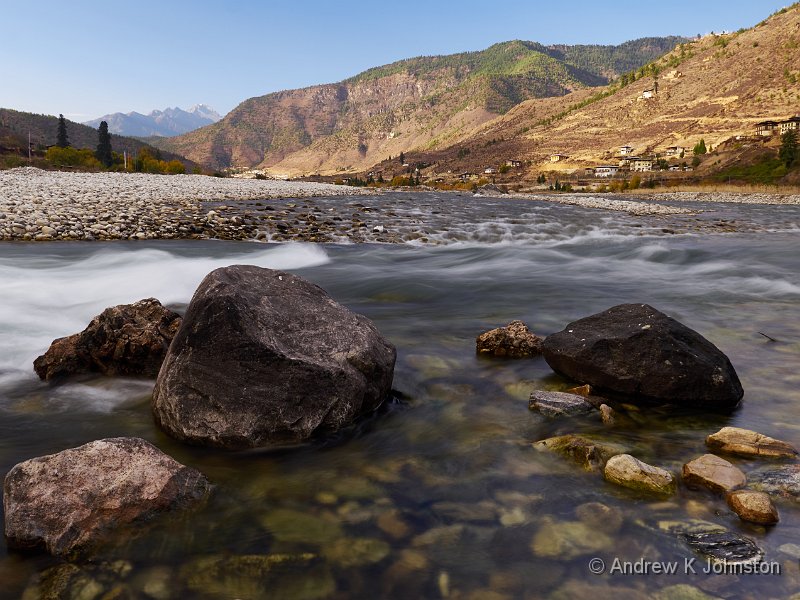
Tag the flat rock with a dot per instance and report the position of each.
(713, 472)
(783, 482)
(725, 546)
(752, 506)
(750, 444)
(559, 404)
(635, 352)
(514, 340)
(129, 339)
(266, 358)
(590, 454)
(568, 539)
(69, 502)
(630, 472)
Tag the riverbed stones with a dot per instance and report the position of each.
(781, 482)
(725, 546)
(69, 502)
(559, 404)
(589, 453)
(632, 473)
(714, 473)
(750, 444)
(752, 506)
(635, 352)
(267, 358)
(568, 539)
(129, 339)
(514, 340)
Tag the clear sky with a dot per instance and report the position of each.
(87, 58)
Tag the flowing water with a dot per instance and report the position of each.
(441, 495)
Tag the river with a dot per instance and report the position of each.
(442, 494)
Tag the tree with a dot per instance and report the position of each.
(62, 140)
(402, 158)
(103, 153)
(788, 151)
(700, 147)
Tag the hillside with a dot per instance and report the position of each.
(167, 122)
(425, 102)
(716, 88)
(15, 125)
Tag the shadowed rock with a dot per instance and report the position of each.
(725, 546)
(66, 503)
(266, 358)
(635, 352)
(129, 339)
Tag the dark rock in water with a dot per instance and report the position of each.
(559, 404)
(635, 352)
(725, 546)
(514, 340)
(266, 358)
(129, 339)
(68, 502)
(783, 482)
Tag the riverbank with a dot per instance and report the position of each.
(48, 205)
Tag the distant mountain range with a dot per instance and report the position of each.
(425, 102)
(162, 123)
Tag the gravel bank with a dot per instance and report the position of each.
(47, 205)
(628, 206)
(731, 197)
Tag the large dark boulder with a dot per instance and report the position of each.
(129, 339)
(635, 352)
(266, 358)
(68, 503)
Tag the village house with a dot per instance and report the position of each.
(589, 172)
(766, 127)
(792, 124)
(606, 171)
(467, 176)
(558, 157)
(625, 150)
(647, 94)
(514, 164)
(675, 151)
(641, 165)
(489, 171)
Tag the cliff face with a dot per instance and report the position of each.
(425, 102)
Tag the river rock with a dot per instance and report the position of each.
(783, 482)
(752, 506)
(725, 546)
(750, 444)
(630, 472)
(588, 453)
(635, 352)
(559, 404)
(714, 473)
(129, 339)
(514, 340)
(266, 358)
(568, 539)
(70, 501)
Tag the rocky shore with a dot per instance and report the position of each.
(54, 205)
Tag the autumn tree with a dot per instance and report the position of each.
(103, 153)
(62, 140)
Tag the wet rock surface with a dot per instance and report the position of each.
(267, 358)
(559, 404)
(129, 339)
(714, 473)
(630, 472)
(69, 502)
(589, 453)
(781, 482)
(724, 546)
(514, 340)
(750, 444)
(752, 506)
(635, 352)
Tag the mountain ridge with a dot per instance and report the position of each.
(166, 123)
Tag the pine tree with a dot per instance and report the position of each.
(103, 153)
(788, 151)
(62, 140)
(402, 158)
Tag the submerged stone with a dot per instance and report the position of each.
(630, 472)
(288, 525)
(750, 444)
(635, 352)
(514, 340)
(600, 516)
(714, 473)
(356, 552)
(568, 539)
(682, 591)
(725, 546)
(559, 404)
(588, 453)
(783, 482)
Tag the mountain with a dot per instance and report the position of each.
(716, 88)
(424, 102)
(16, 125)
(167, 122)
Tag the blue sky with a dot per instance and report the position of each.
(89, 58)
